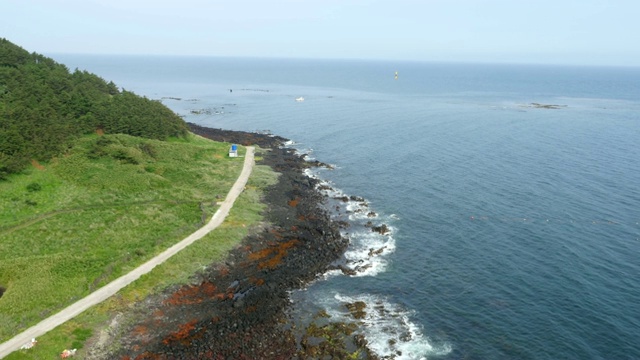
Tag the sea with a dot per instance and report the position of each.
(511, 192)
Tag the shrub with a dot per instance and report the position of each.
(33, 187)
(148, 149)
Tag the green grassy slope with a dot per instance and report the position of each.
(245, 214)
(110, 203)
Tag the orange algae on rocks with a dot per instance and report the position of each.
(224, 271)
(158, 314)
(140, 330)
(276, 233)
(261, 254)
(294, 202)
(188, 295)
(183, 335)
(277, 258)
(272, 256)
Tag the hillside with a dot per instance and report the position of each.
(44, 107)
(93, 182)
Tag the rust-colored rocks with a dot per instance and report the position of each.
(294, 202)
(185, 334)
(188, 295)
(271, 257)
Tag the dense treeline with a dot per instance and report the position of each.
(43, 107)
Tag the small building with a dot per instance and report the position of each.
(233, 151)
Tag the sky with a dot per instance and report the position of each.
(569, 32)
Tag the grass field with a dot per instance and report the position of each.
(112, 202)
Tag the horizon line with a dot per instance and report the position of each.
(308, 58)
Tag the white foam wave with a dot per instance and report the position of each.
(360, 215)
(366, 253)
(298, 149)
(389, 329)
(302, 151)
(331, 273)
(327, 188)
(358, 208)
(310, 173)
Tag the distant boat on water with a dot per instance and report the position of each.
(300, 99)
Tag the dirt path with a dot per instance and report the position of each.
(113, 287)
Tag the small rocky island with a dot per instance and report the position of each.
(544, 106)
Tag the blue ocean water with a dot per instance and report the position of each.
(515, 229)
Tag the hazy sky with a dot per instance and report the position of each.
(585, 32)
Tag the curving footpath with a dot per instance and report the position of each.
(113, 287)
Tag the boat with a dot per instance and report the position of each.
(300, 99)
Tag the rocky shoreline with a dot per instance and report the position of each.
(236, 309)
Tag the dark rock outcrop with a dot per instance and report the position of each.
(382, 229)
(238, 137)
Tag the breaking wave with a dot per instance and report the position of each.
(370, 234)
(388, 328)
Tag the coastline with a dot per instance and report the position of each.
(238, 308)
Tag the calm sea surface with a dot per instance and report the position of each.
(515, 230)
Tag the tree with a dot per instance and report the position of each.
(43, 107)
